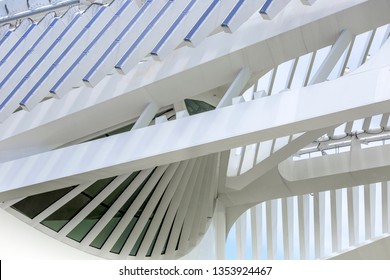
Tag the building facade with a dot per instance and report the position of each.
(195, 129)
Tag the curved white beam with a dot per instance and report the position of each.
(241, 181)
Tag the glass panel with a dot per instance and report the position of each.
(98, 186)
(118, 191)
(82, 229)
(62, 216)
(33, 205)
(195, 106)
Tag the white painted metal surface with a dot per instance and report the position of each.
(297, 138)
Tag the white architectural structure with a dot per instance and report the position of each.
(151, 129)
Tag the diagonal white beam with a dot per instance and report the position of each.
(376, 249)
(239, 182)
(147, 116)
(236, 87)
(333, 57)
(242, 10)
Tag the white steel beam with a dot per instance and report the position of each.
(270, 230)
(241, 228)
(255, 233)
(334, 225)
(147, 116)
(333, 57)
(367, 46)
(339, 220)
(310, 68)
(236, 87)
(346, 59)
(272, 80)
(240, 13)
(385, 207)
(291, 235)
(319, 224)
(352, 237)
(271, 160)
(272, 8)
(367, 212)
(242, 130)
(304, 226)
(220, 232)
(291, 73)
